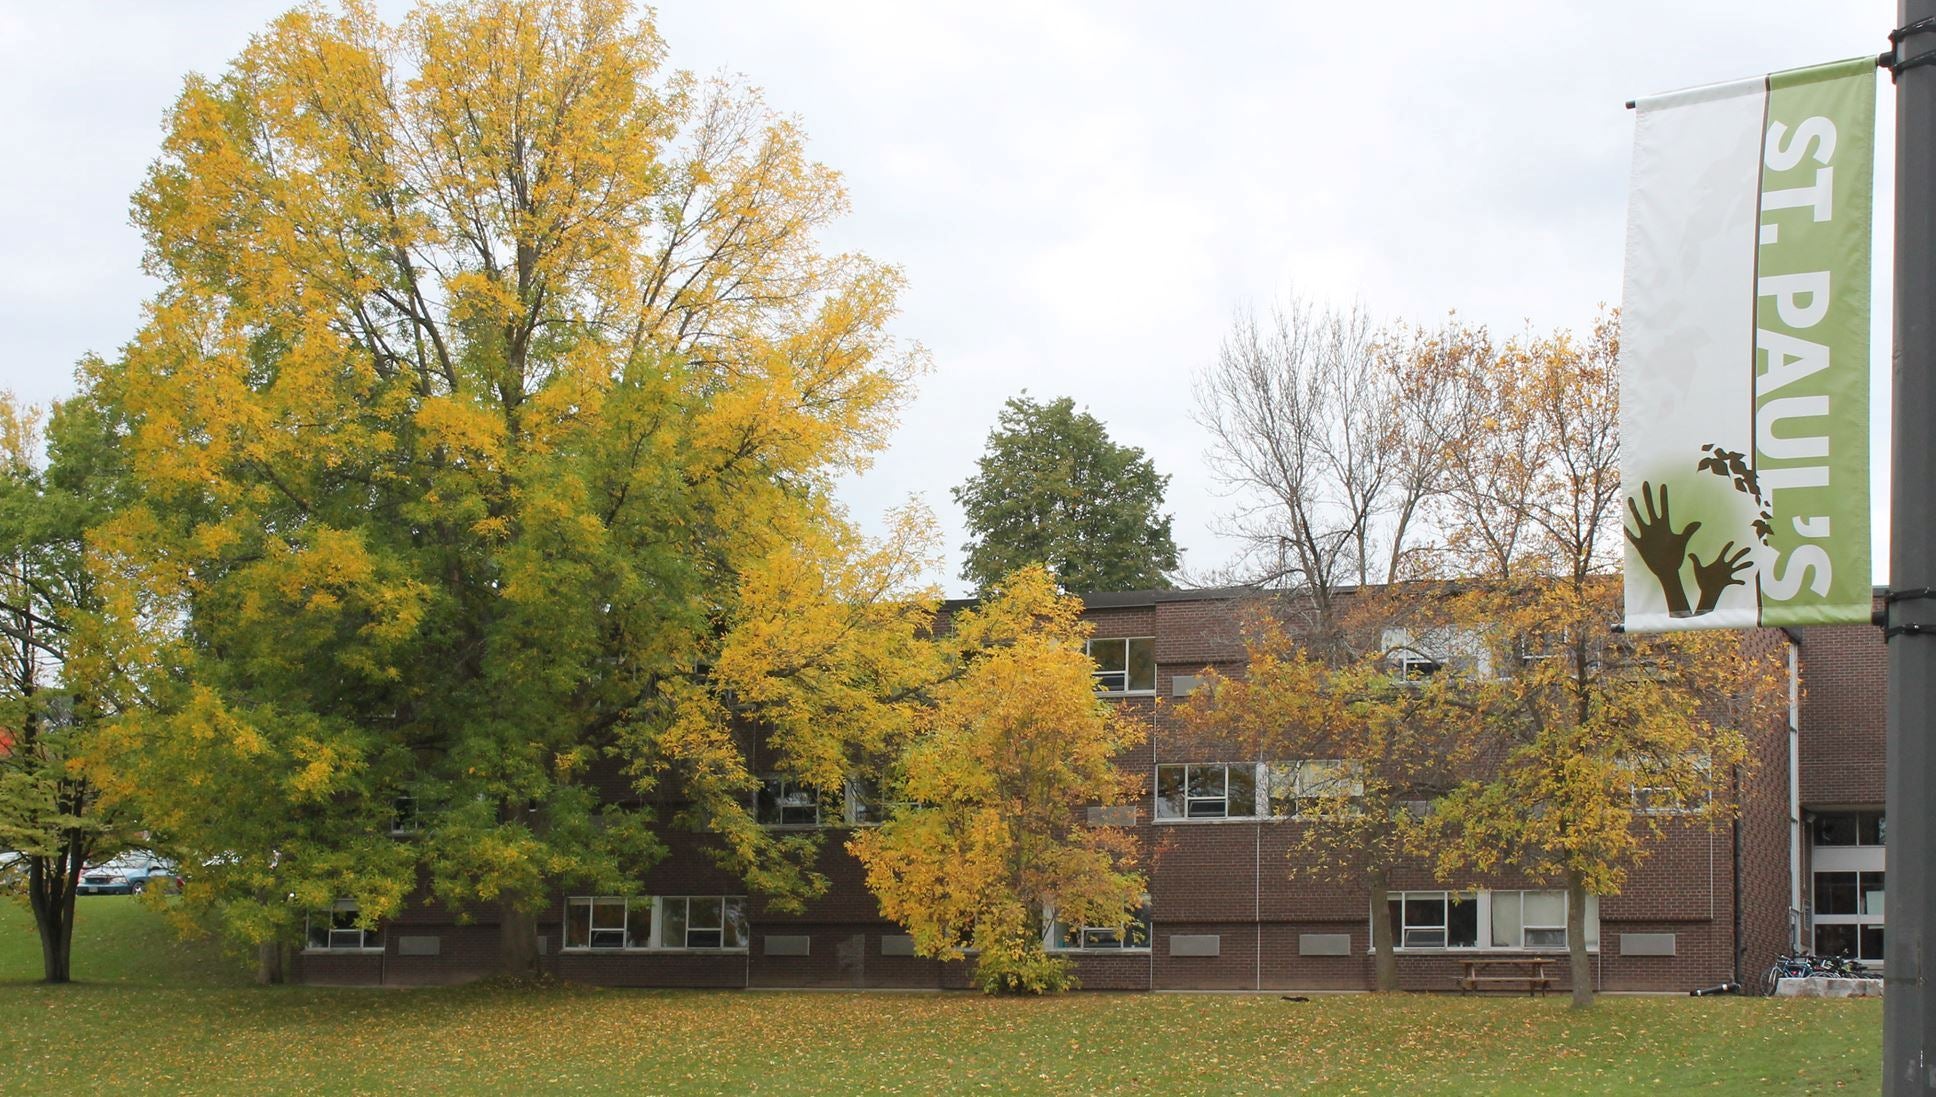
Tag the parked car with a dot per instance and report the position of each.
(128, 874)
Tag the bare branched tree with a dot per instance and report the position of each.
(1331, 435)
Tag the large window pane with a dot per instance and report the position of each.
(1870, 828)
(1462, 922)
(1206, 782)
(1835, 828)
(638, 923)
(1871, 897)
(1424, 910)
(1836, 940)
(1206, 788)
(672, 923)
(1506, 920)
(1835, 893)
(735, 930)
(704, 913)
(1241, 795)
(1110, 655)
(608, 923)
(578, 922)
(1545, 908)
(1871, 937)
(705, 923)
(1170, 800)
(1142, 663)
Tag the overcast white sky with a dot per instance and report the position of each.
(1080, 193)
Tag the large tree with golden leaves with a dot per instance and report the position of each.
(486, 425)
(993, 843)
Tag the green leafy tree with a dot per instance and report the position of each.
(994, 838)
(486, 425)
(1053, 489)
(57, 690)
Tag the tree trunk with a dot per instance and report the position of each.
(1385, 961)
(50, 892)
(1580, 966)
(268, 963)
(517, 946)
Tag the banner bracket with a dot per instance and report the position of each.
(1890, 598)
(1897, 66)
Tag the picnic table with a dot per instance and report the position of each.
(1503, 972)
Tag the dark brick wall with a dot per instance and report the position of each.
(1242, 882)
(1845, 671)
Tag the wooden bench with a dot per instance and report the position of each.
(1506, 973)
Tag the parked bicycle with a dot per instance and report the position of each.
(1803, 965)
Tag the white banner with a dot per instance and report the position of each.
(1745, 353)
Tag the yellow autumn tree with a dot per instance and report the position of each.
(1591, 746)
(485, 425)
(992, 845)
(1357, 757)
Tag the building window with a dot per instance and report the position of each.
(1850, 828)
(1654, 794)
(404, 820)
(664, 922)
(1418, 656)
(1434, 919)
(1847, 860)
(702, 921)
(1486, 919)
(1303, 789)
(865, 807)
(336, 930)
(1125, 666)
(1537, 919)
(608, 921)
(1126, 938)
(1848, 915)
(1218, 790)
(785, 802)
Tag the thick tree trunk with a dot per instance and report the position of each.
(517, 945)
(50, 892)
(1581, 965)
(268, 963)
(1385, 961)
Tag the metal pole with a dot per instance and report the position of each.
(1909, 1005)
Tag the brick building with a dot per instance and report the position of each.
(1802, 865)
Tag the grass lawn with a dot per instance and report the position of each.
(150, 1014)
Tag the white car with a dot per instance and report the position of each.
(127, 874)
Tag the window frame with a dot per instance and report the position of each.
(1129, 687)
(1258, 809)
(1666, 799)
(653, 912)
(1056, 936)
(727, 903)
(1415, 657)
(1446, 900)
(1488, 903)
(406, 821)
(364, 937)
(786, 788)
(1299, 777)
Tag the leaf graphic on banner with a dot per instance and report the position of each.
(1730, 465)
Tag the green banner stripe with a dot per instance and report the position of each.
(1811, 360)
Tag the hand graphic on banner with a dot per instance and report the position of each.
(1662, 548)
